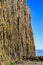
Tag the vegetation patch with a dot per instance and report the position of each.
(12, 63)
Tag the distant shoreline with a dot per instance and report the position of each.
(39, 52)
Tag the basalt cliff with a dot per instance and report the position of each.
(16, 36)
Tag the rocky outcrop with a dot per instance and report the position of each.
(16, 37)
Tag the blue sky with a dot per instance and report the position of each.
(36, 11)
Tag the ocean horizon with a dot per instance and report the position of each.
(39, 52)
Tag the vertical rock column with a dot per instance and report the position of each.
(31, 40)
(26, 15)
(16, 30)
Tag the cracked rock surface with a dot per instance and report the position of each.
(16, 36)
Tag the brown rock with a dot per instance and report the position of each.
(16, 37)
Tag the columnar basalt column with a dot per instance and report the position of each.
(18, 41)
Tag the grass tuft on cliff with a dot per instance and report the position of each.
(12, 63)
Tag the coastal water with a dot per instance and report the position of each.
(39, 52)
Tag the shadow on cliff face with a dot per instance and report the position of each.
(37, 58)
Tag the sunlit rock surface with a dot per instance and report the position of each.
(16, 37)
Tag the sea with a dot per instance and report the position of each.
(39, 52)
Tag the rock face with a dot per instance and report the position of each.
(16, 37)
